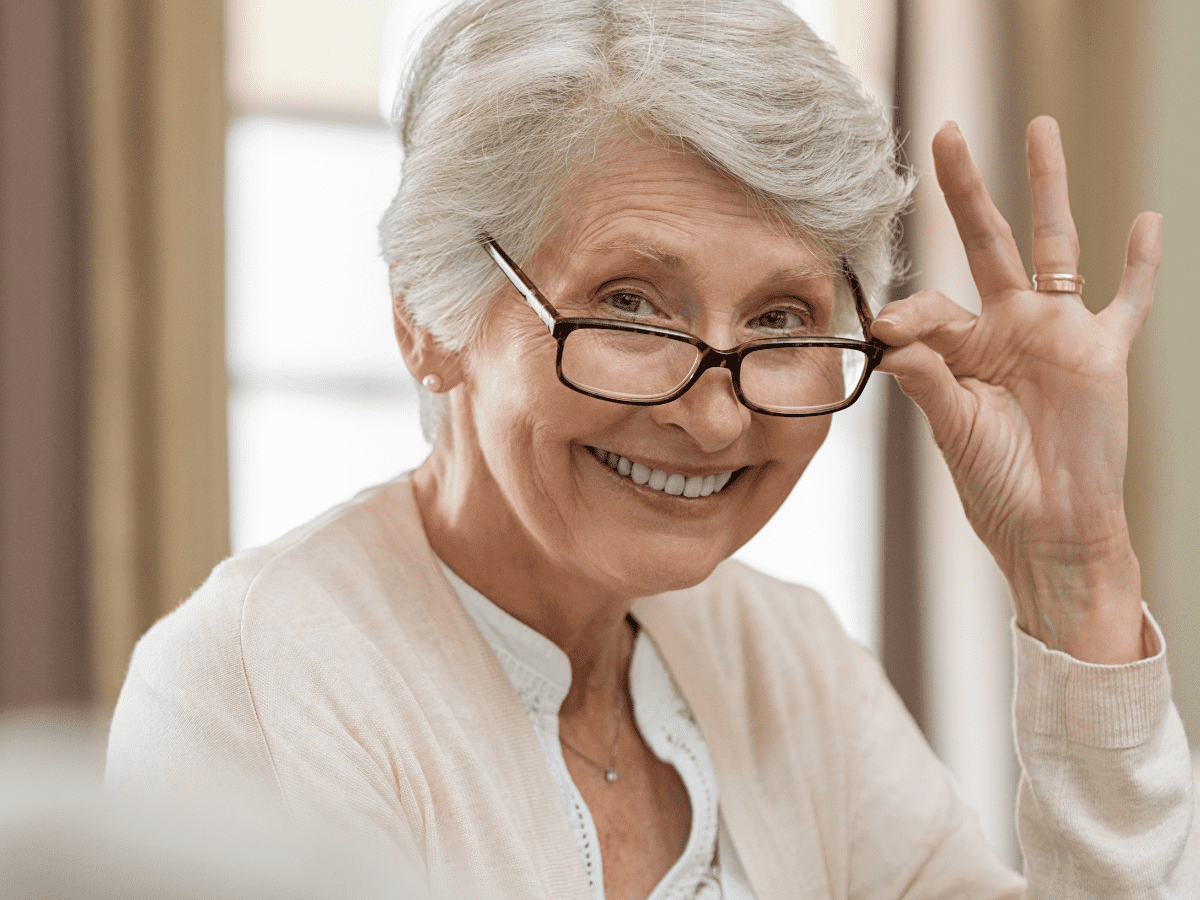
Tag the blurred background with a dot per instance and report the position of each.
(196, 349)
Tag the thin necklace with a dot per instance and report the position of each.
(610, 771)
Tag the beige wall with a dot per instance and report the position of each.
(1167, 464)
(964, 606)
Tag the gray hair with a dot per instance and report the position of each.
(505, 99)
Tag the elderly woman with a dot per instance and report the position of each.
(633, 257)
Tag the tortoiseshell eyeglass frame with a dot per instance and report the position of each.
(708, 357)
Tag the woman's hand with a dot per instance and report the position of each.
(1028, 402)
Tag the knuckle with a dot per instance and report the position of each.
(992, 232)
(966, 186)
(1058, 231)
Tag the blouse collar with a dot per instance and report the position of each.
(538, 668)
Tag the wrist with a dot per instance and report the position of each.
(1087, 606)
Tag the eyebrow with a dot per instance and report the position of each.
(676, 262)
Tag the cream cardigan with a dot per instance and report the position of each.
(337, 667)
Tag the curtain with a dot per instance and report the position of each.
(158, 484)
(43, 598)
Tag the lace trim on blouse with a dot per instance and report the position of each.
(541, 674)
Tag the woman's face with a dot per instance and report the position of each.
(657, 237)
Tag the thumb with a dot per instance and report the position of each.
(925, 379)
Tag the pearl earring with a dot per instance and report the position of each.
(432, 383)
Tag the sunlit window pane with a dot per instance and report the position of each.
(321, 404)
(294, 454)
(308, 293)
(319, 57)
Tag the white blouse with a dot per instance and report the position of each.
(709, 868)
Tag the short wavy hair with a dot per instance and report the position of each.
(505, 99)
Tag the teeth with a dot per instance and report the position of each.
(674, 484)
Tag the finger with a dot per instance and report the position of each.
(930, 317)
(1055, 240)
(926, 379)
(991, 251)
(1128, 310)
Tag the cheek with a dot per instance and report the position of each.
(523, 415)
(791, 445)
(509, 363)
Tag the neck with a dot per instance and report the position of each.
(463, 516)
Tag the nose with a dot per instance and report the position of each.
(709, 412)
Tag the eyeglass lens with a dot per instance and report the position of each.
(629, 365)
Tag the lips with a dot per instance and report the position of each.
(672, 483)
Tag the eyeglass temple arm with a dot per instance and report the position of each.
(860, 302)
(539, 304)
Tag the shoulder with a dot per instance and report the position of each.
(276, 635)
(320, 574)
(744, 617)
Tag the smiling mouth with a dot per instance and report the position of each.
(669, 483)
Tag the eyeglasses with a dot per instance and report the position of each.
(644, 365)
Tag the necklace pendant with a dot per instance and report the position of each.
(610, 774)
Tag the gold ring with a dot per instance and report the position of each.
(1063, 283)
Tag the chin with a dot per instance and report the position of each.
(663, 563)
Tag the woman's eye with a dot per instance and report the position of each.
(632, 305)
(783, 321)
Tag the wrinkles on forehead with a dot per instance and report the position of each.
(673, 261)
(622, 160)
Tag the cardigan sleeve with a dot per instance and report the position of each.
(1107, 805)
(1107, 802)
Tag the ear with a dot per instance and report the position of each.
(422, 354)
